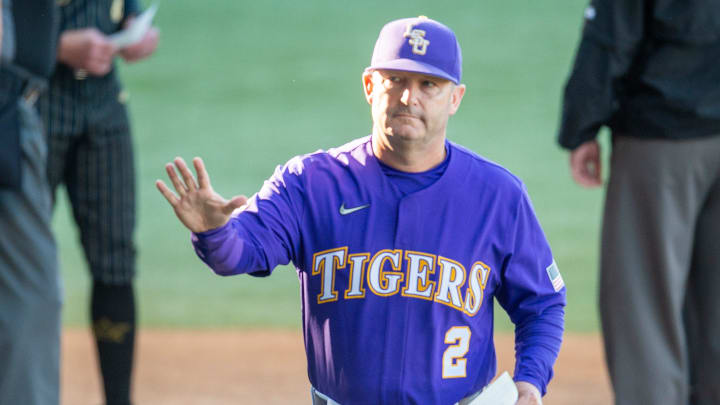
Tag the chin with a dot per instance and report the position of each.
(403, 136)
(405, 132)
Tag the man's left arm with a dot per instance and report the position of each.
(533, 294)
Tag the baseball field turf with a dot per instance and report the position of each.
(248, 84)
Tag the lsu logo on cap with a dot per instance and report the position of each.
(417, 40)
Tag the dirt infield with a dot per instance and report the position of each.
(268, 367)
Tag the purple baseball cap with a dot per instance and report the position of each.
(419, 45)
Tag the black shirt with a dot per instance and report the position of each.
(645, 68)
(36, 33)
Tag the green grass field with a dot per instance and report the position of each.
(247, 85)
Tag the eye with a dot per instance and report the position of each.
(391, 81)
(429, 84)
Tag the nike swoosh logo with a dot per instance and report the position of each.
(345, 211)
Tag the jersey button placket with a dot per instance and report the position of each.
(406, 224)
(405, 237)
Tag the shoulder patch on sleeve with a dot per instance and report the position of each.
(555, 277)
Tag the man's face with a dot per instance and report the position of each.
(410, 107)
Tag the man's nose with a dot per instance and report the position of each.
(408, 96)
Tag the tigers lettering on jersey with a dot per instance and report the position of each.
(386, 275)
(329, 259)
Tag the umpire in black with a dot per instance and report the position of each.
(90, 151)
(30, 297)
(649, 70)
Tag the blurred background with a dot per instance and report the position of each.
(248, 84)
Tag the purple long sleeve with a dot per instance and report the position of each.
(537, 344)
(228, 250)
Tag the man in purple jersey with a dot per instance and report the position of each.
(401, 241)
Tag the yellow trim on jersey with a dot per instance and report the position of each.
(480, 277)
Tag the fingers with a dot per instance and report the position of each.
(100, 52)
(202, 174)
(150, 42)
(528, 394)
(187, 183)
(179, 186)
(186, 174)
(99, 67)
(586, 175)
(143, 48)
(167, 193)
(104, 50)
(585, 164)
(597, 167)
(87, 49)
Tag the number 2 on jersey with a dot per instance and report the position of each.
(454, 363)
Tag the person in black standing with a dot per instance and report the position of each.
(648, 69)
(90, 152)
(30, 296)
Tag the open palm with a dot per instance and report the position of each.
(197, 205)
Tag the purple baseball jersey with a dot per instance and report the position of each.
(397, 290)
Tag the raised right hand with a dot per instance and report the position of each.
(86, 49)
(197, 205)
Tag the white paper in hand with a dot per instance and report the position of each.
(135, 32)
(502, 391)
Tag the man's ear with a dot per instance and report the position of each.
(456, 97)
(367, 86)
